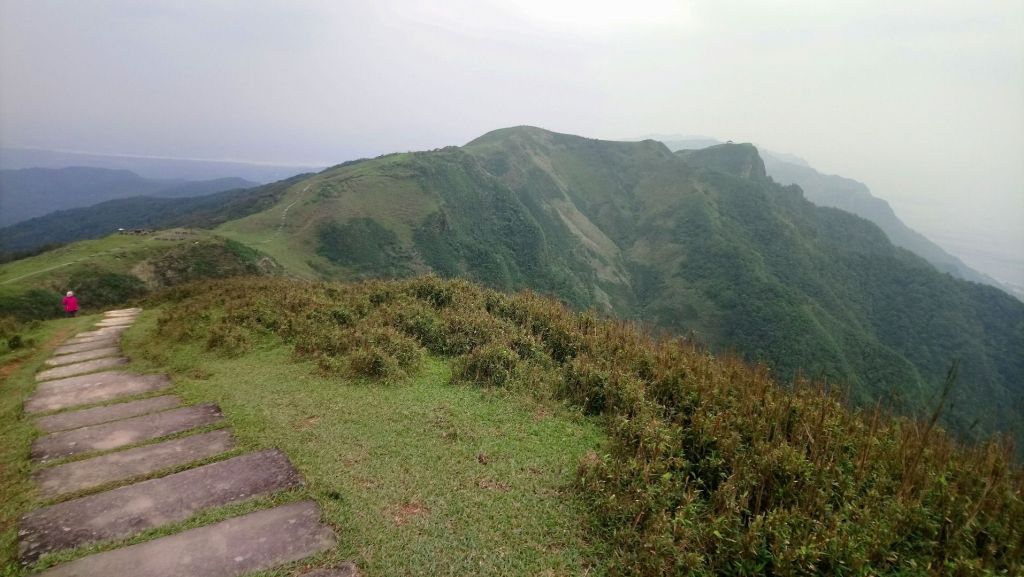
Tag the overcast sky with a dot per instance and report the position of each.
(923, 100)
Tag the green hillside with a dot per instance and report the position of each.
(119, 268)
(456, 403)
(697, 242)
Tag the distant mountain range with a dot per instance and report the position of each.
(151, 167)
(31, 192)
(138, 212)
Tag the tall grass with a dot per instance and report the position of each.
(714, 468)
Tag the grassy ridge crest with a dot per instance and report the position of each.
(713, 469)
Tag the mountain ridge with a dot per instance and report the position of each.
(673, 240)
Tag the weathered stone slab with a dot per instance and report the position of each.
(81, 475)
(129, 510)
(238, 546)
(98, 343)
(83, 356)
(81, 368)
(116, 322)
(96, 415)
(124, 432)
(131, 311)
(91, 335)
(92, 340)
(80, 381)
(101, 331)
(93, 388)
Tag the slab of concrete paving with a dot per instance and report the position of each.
(99, 343)
(81, 368)
(80, 381)
(91, 389)
(116, 322)
(90, 473)
(130, 510)
(91, 340)
(96, 334)
(131, 311)
(100, 331)
(96, 415)
(114, 434)
(78, 357)
(238, 546)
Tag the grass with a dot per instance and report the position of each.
(417, 476)
(711, 468)
(115, 252)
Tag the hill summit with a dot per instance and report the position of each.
(697, 242)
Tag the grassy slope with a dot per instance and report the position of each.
(287, 231)
(117, 253)
(118, 268)
(417, 476)
(711, 468)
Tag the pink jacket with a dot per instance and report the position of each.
(70, 304)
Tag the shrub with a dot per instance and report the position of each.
(492, 365)
(229, 340)
(383, 353)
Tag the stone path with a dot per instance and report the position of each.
(152, 447)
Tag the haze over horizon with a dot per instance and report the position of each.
(922, 101)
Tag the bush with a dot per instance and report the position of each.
(229, 340)
(492, 365)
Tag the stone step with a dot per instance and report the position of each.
(116, 322)
(81, 368)
(238, 546)
(90, 336)
(116, 434)
(96, 415)
(131, 311)
(91, 389)
(132, 509)
(99, 332)
(90, 473)
(92, 339)
(80, 381)
(89, 355)
(99, 343)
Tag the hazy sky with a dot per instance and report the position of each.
(923, 100)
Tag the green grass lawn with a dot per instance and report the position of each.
(418, 477)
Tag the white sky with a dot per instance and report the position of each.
(923, 100)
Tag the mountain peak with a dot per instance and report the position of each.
(740, 159)
(512, 133)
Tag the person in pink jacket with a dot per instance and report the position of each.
(70, 304)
